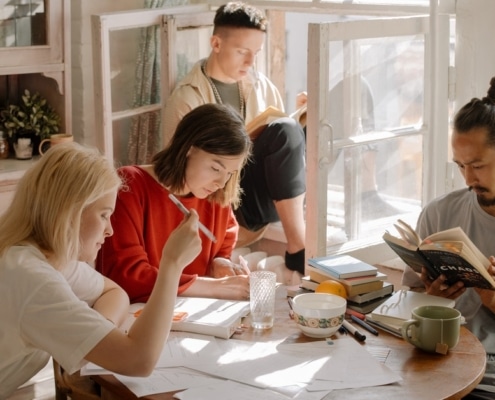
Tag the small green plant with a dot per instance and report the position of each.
(34, 114)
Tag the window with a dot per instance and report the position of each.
(368, 118)
(377, 81)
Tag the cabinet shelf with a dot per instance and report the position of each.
(12, 169)
(31, 69)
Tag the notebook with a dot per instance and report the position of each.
(398, 307)
(212, 317)
(342, 266)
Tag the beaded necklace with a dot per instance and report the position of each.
(217, 94)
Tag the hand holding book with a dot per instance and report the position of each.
(259, 123)
(449, 252)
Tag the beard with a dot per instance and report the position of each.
(483, 201)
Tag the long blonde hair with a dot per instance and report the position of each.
(50, 198)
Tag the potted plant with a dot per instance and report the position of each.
(32, 119)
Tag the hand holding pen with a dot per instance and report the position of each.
(243, 266)
(186, 212)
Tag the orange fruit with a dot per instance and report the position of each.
(332, 287)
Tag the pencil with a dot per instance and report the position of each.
(366, 326)
(185, 211)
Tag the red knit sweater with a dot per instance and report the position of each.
(143, 219)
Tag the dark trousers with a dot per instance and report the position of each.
(277, 171)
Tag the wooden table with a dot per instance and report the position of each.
(424, 375)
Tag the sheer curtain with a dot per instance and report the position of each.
(144, 137)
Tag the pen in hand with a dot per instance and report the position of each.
(353, 331)
(185, 211)
(243, 265)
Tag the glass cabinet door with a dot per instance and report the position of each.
(23, 23)
(31, 32)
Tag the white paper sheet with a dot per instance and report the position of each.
(304, 369)
(167, 380)
(341, 363)
(179, 348)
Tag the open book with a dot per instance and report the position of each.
(257, 124)
(449, 252)
(212, 317)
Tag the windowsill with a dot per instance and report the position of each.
(13, 169)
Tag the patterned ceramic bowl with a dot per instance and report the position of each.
(319, 315)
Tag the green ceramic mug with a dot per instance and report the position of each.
(433, 328)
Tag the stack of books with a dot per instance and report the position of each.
(365, 286)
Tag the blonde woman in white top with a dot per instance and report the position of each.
(53, 302)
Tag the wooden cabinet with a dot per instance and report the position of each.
(34, 55)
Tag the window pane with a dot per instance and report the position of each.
(375, 93)
(132, 59)
(22, 23)
(356, 211)
(131, 136)
(192, 45)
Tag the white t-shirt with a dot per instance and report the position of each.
(45, 312)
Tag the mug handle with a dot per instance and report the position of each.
(40, 148)
(405, 331)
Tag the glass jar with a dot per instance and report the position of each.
(4, 145)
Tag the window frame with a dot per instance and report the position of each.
(435, 120)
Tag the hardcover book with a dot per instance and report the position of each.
(386, 290)
(367, 306)
(319, 275)
(449, 252)
(351, 290)
(342, 266)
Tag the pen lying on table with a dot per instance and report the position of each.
(365, 325)
(353, 331)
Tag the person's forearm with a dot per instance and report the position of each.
(158, 313)
(227, 288)
(201, 287)
(113, 305)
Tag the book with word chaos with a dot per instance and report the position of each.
(211, 317)
(448, 252)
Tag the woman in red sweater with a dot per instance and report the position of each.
(201, 166)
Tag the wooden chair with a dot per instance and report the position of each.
(75, 386)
